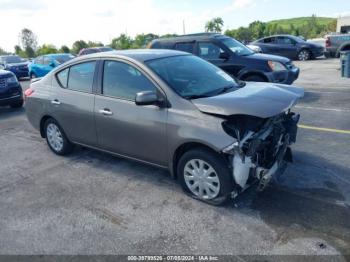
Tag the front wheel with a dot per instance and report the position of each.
(304, 55)
(56, 139)
(205, 176)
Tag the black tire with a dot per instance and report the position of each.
(304, 55)
(254, 78)
(66, 147)
(218, 164)
(18, 104)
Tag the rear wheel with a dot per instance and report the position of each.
(304, 55)
(56, 139)
(205, 176)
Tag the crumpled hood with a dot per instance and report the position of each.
(262, 100)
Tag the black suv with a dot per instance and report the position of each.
(10, 90)
(233, 57)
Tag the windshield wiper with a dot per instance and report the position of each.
(190, 97)
(225, 89)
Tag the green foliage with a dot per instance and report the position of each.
(29, 42)
(47, 49)
(308, 27)
(215, 25)
(3, 52)
(122, 42)
(78, 45)
(64, 49)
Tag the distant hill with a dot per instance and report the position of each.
(302, 21)
(308, 27)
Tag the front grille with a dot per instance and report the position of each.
(3, 83)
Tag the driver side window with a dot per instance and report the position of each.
(209, 51)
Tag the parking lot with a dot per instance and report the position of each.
(94, 203)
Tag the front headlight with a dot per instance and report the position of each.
(12, 80)
(276, 66)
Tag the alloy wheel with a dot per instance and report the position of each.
(54, 136)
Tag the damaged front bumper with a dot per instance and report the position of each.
(260, 155)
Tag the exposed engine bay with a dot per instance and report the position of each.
(262, 148)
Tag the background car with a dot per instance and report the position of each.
(290, 46)
(233, 57)
(92, 50)
(15, 64)
(10, 90)
(44, 64)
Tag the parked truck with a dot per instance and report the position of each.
(338, 42)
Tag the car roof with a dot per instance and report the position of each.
(191, 37)
(56, 55)
(140, 55)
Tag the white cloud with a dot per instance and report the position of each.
(63, 22)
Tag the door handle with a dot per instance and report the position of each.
(105, 112)
(55, 102)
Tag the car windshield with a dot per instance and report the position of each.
(13, 59)
(63, 58)
(236, 47)
(192, 77)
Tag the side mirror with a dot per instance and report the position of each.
(224, 56)
(146, 98)
(2, 66)
(52, 64)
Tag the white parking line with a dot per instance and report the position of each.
(324, 108)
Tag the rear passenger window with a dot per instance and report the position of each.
(81, 77)
(63, 77)
(124, 81)
(185, 47)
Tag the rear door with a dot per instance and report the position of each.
(72, 102)
(122, 126)
(269, 45)
(287, 46)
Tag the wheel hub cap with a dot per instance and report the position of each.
(54, 137)
(201, 179)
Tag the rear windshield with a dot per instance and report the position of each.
(236, 47)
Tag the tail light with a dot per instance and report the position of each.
(28, 92)
(328, 42)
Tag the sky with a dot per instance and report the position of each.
(61, 22)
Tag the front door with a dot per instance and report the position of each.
(122, 126)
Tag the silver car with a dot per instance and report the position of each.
(216, 135)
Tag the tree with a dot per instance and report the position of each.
(214, 25)
(122, 42)
(3, 52)
(257, 29)
(64, 49)
(28, 41)
(78, 45)
(47, 49)
(94, 44)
